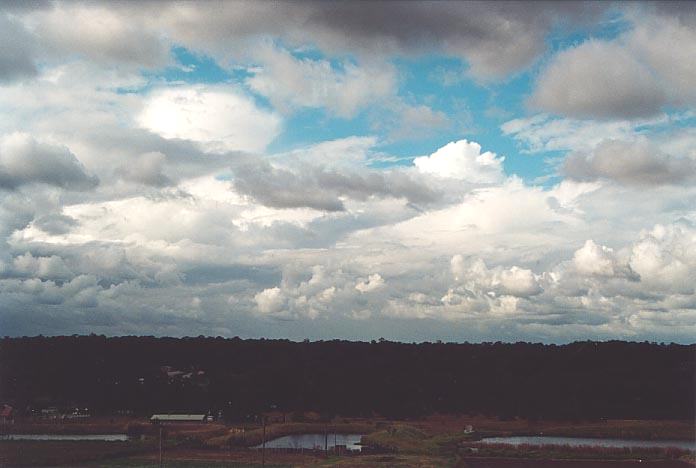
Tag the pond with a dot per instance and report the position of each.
(312, 441)
(582, 441)
(74, 437)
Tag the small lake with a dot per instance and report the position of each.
(75, 437)
(311, 441)
(582, 441)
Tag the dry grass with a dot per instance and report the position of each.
(64, 453)
(617, 428)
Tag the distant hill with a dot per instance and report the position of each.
(582, 380)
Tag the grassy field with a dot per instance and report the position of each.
(66, 453)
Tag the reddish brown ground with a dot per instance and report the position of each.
(517, 463)
(237, 456)
(631, 429)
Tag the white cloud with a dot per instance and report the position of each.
(221, 118)
(517, 281)
(593, 259)
(544, 133)
(102, 34)
(81, 291)
(270, 301)
(372, 283)
(52, 267)
(665, 258)
(462, 160)
(477, 278)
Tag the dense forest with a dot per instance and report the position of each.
(582, 380)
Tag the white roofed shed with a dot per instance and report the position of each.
(178, 418)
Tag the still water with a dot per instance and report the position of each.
(311, 441)
(580, 441)
(102, 437)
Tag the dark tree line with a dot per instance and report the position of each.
(581, 380)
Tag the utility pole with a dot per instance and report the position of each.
(263, 443)
(160, 445)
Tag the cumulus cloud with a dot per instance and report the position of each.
(372, 283)
(493, 39)
(105, 35)
(478, 279)
(188, 233)
(24, 160)
(17, 56)
(323, 188)
(633, 76)
(593, 259)
(270, 301)
(665, 257)
(634, 163)
(463, 160)
(311, 292)
(653, 39)
(81, 291)
(598, 79)
(281, 188)
(54, 223)
(52, 267)
(290, 82)
(146, 169)
(220, 118)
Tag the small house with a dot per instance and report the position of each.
(178, 418)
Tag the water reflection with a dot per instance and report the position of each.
(315, 441)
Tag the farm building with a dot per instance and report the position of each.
(6, 414)
(178, 418)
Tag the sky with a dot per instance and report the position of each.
(413, 171)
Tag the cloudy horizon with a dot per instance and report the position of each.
(415, 171)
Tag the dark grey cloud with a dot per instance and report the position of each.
(495, 38)
(23, 160)
(631, 163)
(17, 51)
(635, 75)
(149, 159)
(322, 189)
(683, 9)
(598, 80)
(146, 169)
(56, 224)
